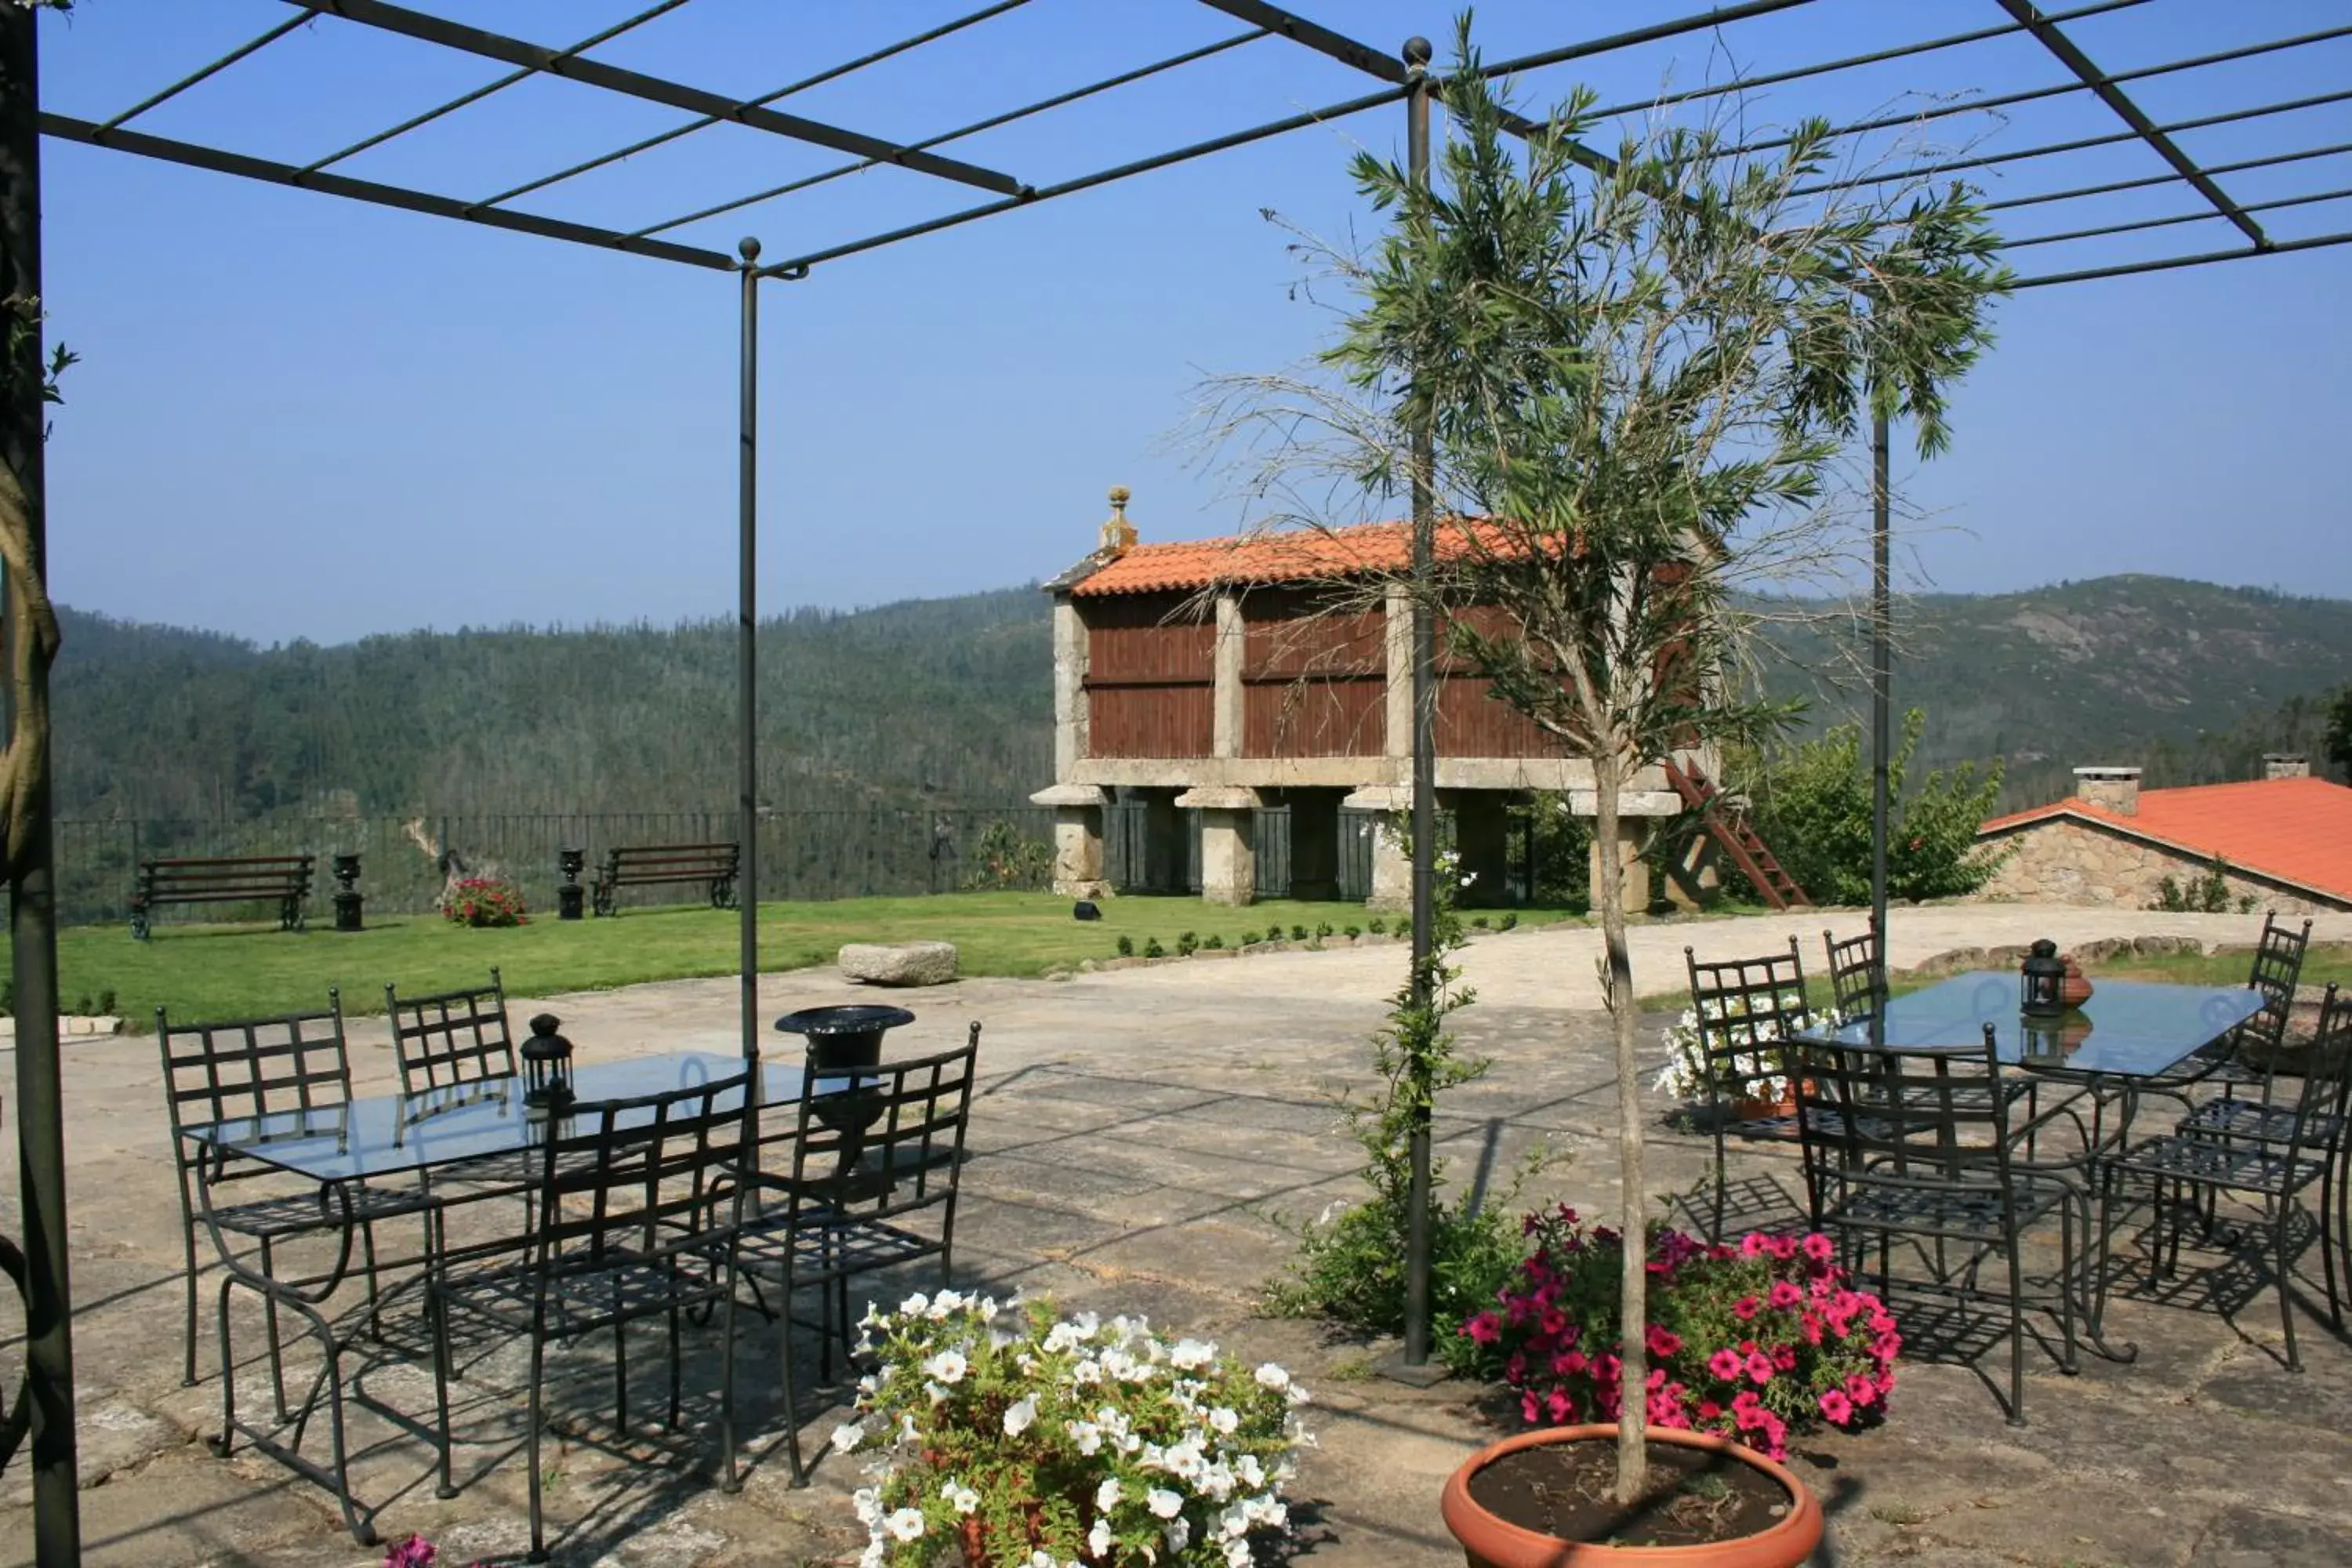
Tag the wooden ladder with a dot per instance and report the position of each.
(1775, 887)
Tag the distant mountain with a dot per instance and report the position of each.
(2193, 682)
(939, 702)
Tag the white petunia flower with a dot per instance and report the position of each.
(960, 1497)
(907, 1524)
(948, 1367)
(1179, 1534)
(1223, 1421)
(1271, 1376)
(1163, 1504)
(847, 1436)
(1098, 1538)
(1087, 1371)
(915, 1306)
(1251, 1472)
(1088, 1438)
(945, 1302)
(1238, 1554)
(1192, 1354)
(873, 1554)
(1019, 1414)
(868, 1504)
(1106, 1495)
(1235, 1522)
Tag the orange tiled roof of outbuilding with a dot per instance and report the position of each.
(1297, 555)
(2295, 830)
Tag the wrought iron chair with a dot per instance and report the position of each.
(2245, 1055)
(875, 1157)
(1857, 974)
(1747, 1009)
(639, 1204)
(451, 1037)
(253, 1068)
(2271, 1145)
(1908, 1145)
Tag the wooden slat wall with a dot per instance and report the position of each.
(1470, 722)
(1313, 676)
(1151, 677)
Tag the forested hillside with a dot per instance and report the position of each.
(950, 701)
(936, 701)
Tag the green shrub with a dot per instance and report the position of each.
(1479, 921)
(1508, 922)
(1215, 943)
(1151, 948)
(1127, 947)
(1377, 925)
(1005, 861)
(1186, 944)
(2205, 895)
(1355, 931)
(1298, 934)
(1247, 939)
(1322, 927)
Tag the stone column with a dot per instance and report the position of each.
(1229, 710)
(1069, 688)
(1481, 838)
(1397, 710)
(1077, 839)
(1228, 843)
(1314, 843)
(1392, 866)
(1632, 838)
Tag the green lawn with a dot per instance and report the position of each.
(225, 972)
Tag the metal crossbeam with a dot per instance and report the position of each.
(2172, 263)
(504, 82)
(2048, 35)
(66, 129)
(830, 73)
(2173, 220)
(201, 72)
(653, 90)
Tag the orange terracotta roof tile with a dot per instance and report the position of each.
(2297, 830)
(1299, 555)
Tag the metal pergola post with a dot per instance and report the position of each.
(29, 635)
(1424, 772)
(1882, 681)
(747, 649)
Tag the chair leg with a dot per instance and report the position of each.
(792, 1400)
(2327, 1244)
(538, 1526)
(2016, 1332)
(437, 1306)
(188, 1339)
(269, 1318)
(2069, 1366)
(362, 1531)
(2280, 1279)
(673, 1357)
(227, 1441)
(620, 1374)
(729, 1479)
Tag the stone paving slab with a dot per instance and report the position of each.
(1140, 1139)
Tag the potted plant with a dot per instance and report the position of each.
(1020, 1437)
(1745, 1345)
(1746, 1087)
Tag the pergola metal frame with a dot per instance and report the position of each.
(1399, 78)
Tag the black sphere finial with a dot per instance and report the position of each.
(1417, 50)
(748, 249)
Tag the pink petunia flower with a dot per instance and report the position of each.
(1837, 1408)
(1759, 1369)
(1820, 1247)
(1484, 1329)
(1745, 1308)
(1784, 1294)
(1726, 1363)
(1662, 1342)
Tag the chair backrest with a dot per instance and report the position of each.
(2326, 1085)
(1746, 1008)
(1926, 1116)
(251, 1066)
(455, 1036)
(1857, 974)
(886, 1141)
(642, 1178)
(2277, 969)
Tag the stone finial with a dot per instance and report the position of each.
(1117, 533)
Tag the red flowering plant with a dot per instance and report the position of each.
(1750, 1341)
(484, 902)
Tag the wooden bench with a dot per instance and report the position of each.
(282, 880)
(642, 865)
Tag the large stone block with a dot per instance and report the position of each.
(900, 963)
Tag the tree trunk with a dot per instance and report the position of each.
(1632, 1291)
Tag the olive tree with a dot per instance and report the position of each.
(1637, 379)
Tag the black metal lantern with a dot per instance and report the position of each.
(2042, 981)
(546, 1067)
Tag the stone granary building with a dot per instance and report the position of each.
(1229, 676)
(2281, 841)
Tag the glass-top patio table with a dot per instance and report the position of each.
(395, 1134)
(2128, 1030)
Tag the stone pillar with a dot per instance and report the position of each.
(2285, 765)
(1165, 851)
(1392, 866)
(1077, 839)
(1229, 707)
(1069, 687)
(1632, 838)
(2109, 788)
(1314, 843)
(1481, 838)
(1228, 843)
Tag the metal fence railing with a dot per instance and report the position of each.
(810, 855)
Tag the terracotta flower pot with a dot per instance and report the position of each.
(1491, 1542)
(2076, 989)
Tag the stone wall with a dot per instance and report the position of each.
(2069, 862)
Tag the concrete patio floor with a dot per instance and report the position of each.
(1139, 1141)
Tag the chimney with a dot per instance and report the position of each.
(1117, 533)
(2109, 788)
(2285, 765)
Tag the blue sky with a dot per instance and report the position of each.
(299, 416)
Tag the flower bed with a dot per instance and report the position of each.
(484, 902)
(1752, 1341)
(1028, 1439)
